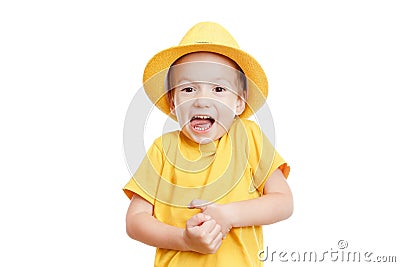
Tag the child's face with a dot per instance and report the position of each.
(206, 95)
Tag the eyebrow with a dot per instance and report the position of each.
(217, 81)
(225, 80)
(180, 83)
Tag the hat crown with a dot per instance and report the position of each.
(209, 33)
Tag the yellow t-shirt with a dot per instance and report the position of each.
(177, 170)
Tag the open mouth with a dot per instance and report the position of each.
(201, 123)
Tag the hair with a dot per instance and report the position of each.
(242, 78)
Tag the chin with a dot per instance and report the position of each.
(202, 139)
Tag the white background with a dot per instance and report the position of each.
(69, 69)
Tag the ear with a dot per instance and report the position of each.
(170, 99)
(240, 105)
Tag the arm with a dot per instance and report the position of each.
(202, 234)
(275, 205)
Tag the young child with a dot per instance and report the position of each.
(202, 193)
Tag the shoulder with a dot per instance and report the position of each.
(246, 127)
(246, 123)
(166, 140)
(250, 125)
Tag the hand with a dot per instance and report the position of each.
(202, 234)
(217, 212)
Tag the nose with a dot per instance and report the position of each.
(202, 99)
(202, 102)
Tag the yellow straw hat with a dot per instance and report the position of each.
(205, 37)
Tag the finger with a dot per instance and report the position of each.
(212, 229)
(217, 242)
(225, 232)
(216, 232)
(213, 237)
(209, 225)
(198, 204)
(197, 220)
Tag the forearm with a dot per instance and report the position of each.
(267, 209)
(145, 228)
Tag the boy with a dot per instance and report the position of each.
(202, 193)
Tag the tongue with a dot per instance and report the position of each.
(201, 123)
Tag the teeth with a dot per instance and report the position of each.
(201, 128)
(201, 117)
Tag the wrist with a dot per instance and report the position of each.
(184, 241)
(230, 214)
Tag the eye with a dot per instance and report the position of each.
(187, 89)
(219, 89)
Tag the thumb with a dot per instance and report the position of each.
(197, 220)
(198, 204)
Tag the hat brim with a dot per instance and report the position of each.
(157, 67)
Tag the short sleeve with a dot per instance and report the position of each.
(263, 157)
(277, 163)
(146, 179)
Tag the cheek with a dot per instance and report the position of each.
(226, 114)
(181, 111)
(177, 104)
(228, 106)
